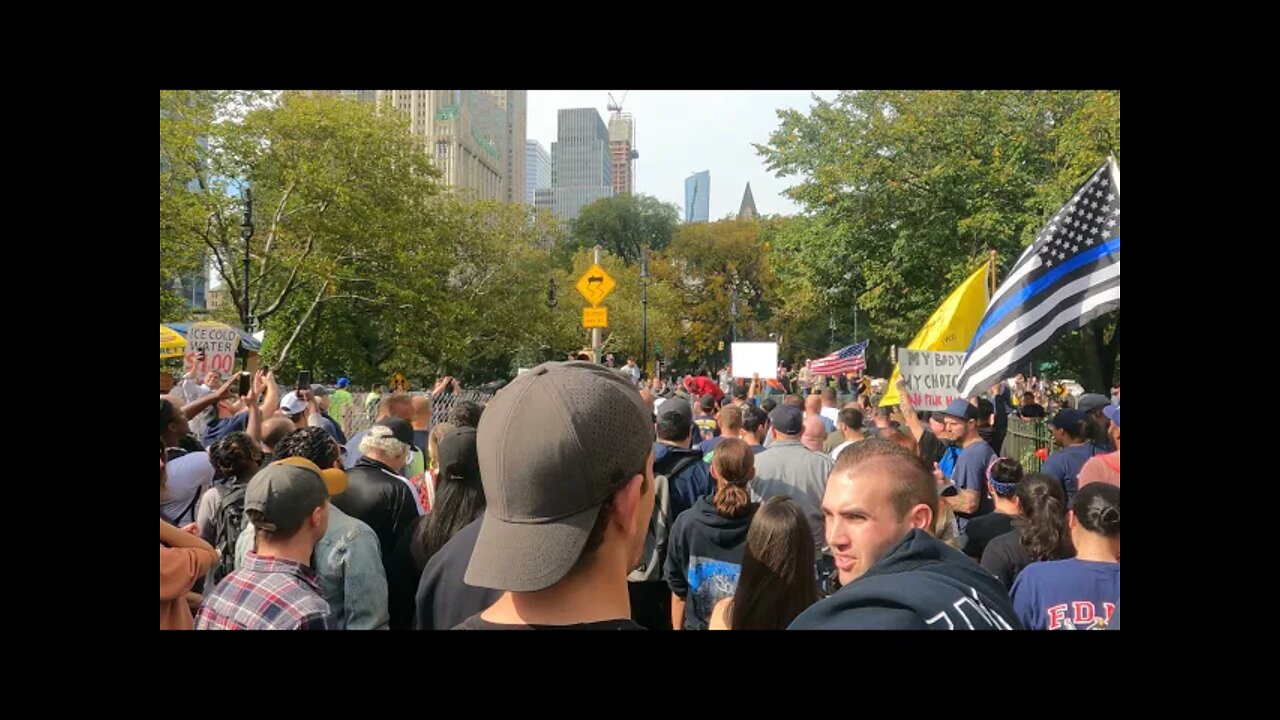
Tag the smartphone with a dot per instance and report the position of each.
(244, 384)
(304, 380)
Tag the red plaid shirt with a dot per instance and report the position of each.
(266, 593)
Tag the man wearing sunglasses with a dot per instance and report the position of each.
(377, 493)
(960, 426)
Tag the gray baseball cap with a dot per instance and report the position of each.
(553, 446)
(1089, 402)
(283, 494)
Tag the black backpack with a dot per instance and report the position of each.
(654, 557)
(227, 525)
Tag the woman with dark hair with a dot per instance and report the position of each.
(1003, 476)
(1081, 593)
(459, 498)
(1040, 534)
(776, 583)
(704, 553)
(236, 458)
(459, 501)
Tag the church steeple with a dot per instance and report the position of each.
(748, 209)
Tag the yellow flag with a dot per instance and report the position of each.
(952, 325)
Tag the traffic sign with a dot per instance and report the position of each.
(595, 284)
(597, 317)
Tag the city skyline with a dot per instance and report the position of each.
(679, 132)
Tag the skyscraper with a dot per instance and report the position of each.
(514, 106)
(537, 170)
(581, 162)
(622, 140)
(464, 131)
(697, 197)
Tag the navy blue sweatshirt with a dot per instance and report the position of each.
(704, 559)
(920, 584)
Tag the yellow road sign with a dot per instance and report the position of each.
(595, 284)
(597, 317)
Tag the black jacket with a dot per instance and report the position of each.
(921, 584)
(444, 600)
(380, 499)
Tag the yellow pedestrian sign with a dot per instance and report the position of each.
(595, 284)
(597, 317)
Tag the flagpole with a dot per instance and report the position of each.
(1115, 171)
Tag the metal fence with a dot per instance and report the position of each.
(1025, 437)
(357, 417)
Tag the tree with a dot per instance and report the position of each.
(908, 191)
(624, 224)
(716, 269)
(341, 194)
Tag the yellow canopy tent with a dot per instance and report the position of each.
(172, 344)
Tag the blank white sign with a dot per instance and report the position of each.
(749, 358)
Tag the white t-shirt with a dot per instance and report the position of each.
(835, 454)
(192, 391)
(832, 414)
(186, 476)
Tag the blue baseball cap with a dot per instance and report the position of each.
(343, 382)
(1113, 413)
(961, 409)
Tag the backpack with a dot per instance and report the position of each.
(654, 557)
(227, 524)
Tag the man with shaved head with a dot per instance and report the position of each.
(814, 433)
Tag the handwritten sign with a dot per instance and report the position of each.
(932, 376)
(219, 343)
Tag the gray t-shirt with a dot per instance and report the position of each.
(971, 474)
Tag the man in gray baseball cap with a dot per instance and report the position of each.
(276, 587)
(566, 460)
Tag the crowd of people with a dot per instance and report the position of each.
(586, 496)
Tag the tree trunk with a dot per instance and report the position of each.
(284, 352)
(1099, 357)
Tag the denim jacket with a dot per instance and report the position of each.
(348, 566)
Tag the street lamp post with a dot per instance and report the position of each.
(551, 303)
(246, 233)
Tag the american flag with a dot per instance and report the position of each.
(844, 360)
(1067, 277)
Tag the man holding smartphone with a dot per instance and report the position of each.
(230, 420)
(191, 391)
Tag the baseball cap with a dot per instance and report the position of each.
(553, 446)
(291, 404)
(459, 459)
(1089, 402)
(282, 495)
(1113, 413)
(343, 382)
(393, 427)
(961, 409)
(1069, 420)
(319, 390)
(680, 406)
(787, 419)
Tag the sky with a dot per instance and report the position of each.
(680, 132)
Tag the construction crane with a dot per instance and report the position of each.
(616, 106)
